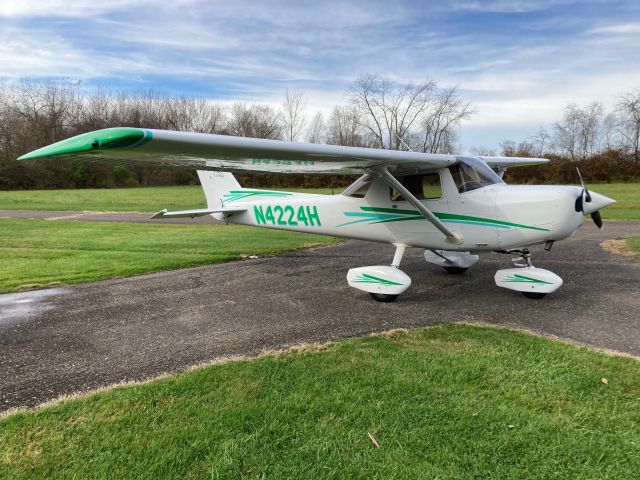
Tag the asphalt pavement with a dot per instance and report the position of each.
(65, 340)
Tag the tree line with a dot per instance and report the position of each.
(604, 145)
(379, 113)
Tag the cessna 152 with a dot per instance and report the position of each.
(453, 206)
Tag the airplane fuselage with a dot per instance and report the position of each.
(495, 217)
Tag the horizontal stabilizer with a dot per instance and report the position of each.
(201, 212)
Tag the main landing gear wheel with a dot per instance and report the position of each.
(455, 270)
(534, 295)
(383, 297)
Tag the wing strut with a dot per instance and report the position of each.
(452, 237)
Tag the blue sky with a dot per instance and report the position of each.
(519, 62)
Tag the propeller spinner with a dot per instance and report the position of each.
(591, 203)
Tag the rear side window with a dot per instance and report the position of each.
(359, 188)
(424, 187)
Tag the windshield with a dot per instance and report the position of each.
(472, 173)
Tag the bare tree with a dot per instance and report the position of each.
(413, 115)
(293, 118)
(576, 135)
(540, 142)
(610, 132)
(482, 151)
(210, 117)
(97, 110)
(250, 120)
(316, 129)
(512, 149)
(193, 115)
(387, 110)
(438, 124)
(629, 110)
(344, 128)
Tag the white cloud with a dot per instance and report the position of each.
(63, 8)
(517, 76)
(621, 28)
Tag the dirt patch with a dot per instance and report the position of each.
(618, 247)
(393, 333)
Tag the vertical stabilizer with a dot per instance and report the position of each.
(215, 185)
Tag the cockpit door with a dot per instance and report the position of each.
(429, 189)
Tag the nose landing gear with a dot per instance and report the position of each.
(532, 282)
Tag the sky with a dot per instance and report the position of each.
(518, 62)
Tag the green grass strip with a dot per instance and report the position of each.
(634, 245)
(454, 402)
(42, 253)
(148, 199)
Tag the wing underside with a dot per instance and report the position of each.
(131, 146)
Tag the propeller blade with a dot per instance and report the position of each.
(587, 197)
(597, 219)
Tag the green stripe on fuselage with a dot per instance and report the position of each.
(387, 215)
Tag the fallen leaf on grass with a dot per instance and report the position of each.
(605, 381)
(373, 440)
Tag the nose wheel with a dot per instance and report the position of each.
(383, 297)
(532, 282)
(455, 270)
(534, 295)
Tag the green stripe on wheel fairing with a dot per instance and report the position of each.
(121, 137)
(366, 278)
(386, 215)
(517, 278)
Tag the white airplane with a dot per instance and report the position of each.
(453, 206)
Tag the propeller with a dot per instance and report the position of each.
(595, 216)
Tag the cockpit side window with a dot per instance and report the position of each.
(470, 174)
(423, 187)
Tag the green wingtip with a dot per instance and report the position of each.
(120, 137)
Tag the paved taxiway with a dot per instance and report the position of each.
(70, 339)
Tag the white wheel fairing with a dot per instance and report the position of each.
(528, 279)
(382, 279)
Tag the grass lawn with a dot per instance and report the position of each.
(154, 199)
(634, 244)
(449, 402)
(150, 199)
(41, 253)
(627, 196)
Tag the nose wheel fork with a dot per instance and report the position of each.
(524, 259)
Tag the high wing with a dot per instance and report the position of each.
(124, 145)
(506, 162)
